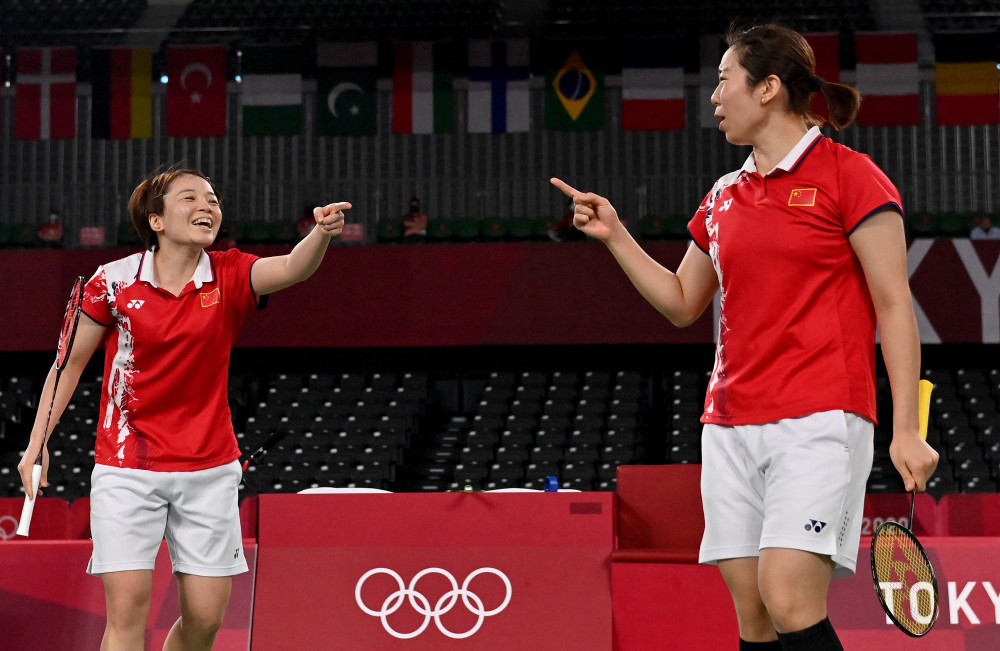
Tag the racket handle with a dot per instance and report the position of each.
(29, 504)
(924, 404)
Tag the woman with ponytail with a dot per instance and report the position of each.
(806, 245)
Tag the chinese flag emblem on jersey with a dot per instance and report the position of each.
(196, 91)
(208, 299)
(802, 197)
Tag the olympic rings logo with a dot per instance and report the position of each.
(4, 533)
(422, 605)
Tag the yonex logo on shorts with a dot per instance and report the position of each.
(815, 525)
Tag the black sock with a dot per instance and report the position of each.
(818, 637)
(774, 645)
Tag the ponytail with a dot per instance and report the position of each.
(843, 102)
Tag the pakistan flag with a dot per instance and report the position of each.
(346, 100)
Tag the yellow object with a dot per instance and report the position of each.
(924, 406)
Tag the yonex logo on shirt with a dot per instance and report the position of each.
(725, 205)
(135, 303)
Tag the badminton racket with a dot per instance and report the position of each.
(904, 577)
(271, 441)
(66, 336)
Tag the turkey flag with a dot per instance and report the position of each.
(196, 91)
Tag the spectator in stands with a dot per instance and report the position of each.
(808, 248)
(51, 232)
(306, 220)
(415, 223)
(563, 229)
(167, 459)
(985, 230)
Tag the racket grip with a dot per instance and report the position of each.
(924, 403)
(29, 504)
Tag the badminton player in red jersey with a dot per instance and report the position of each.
(806, 245)
(167, 457)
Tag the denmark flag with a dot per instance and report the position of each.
(45, 93)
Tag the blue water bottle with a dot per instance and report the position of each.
(551, 484)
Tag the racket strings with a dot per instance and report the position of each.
(70, 320)
(901, 565)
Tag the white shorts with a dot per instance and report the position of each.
(798, 483)
(131, 511)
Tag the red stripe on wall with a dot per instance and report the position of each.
(652, 114)
(121, 94)
(889, 110)
(968, 109)
(402, 88)
(886, 48)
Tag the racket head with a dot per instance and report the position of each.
(71, 319)
(898, 558)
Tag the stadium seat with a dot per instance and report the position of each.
(953, 224)
(467, 229)
(660, 518)
(494, 228)
(390, 230)
(284, 232)
(540, 227)
(439, 229)
(653, 227)
(520, 228)
(923, 225)
(258, 231)
(24, 235)
(675, 226)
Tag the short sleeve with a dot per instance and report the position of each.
(864, 190)
(96, 304)
(698, 226)
(235, 265)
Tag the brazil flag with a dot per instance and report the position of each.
(574, 85)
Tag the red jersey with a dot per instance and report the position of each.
(797, 325)
(164, 405)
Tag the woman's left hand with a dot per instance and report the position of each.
(330, 218)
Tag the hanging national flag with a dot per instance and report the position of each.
(826, 48)
(346, 99)
(422, 87)
(45, 93)
(711, 47)
(888, 78)
(196, 91)
(498, 86)
(653, 85)
(966, 78)
(271, 90)
(574, 86)
(122, 106)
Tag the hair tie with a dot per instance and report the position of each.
(816, 83)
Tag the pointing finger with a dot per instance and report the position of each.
(566, 189)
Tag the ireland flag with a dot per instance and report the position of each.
(346, 76)
(272, 90)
